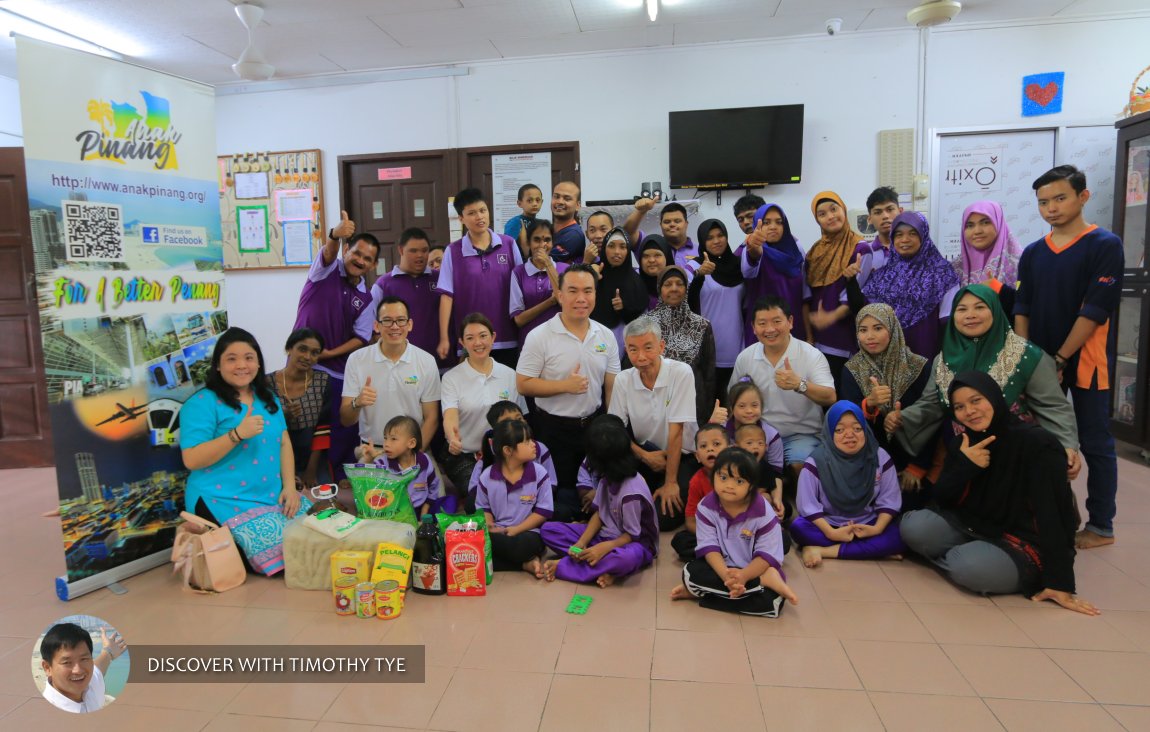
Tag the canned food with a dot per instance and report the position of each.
(365, 600)
(389, 599)
(344, 591)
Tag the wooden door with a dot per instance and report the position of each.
(475, 167)
(387, 193)
(25, 432)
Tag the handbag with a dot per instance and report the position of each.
(207, 556)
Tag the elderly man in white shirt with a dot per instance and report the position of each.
(656, 400)
(793, 376)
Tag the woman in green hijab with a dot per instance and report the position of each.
(979, 338)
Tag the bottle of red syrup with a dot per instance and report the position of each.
(429, 561)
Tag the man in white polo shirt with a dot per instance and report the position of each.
(75, 680)
(568, 365)
(390, 378)
(793, 376)
(656, 400)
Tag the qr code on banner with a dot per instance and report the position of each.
(93, 231)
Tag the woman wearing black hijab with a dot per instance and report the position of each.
(655, 255)
(620, 295)
(1005, 516)
(717, 292)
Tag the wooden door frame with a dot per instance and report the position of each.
(464, 169)
(344, 163)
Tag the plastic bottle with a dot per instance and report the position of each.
(428, 566)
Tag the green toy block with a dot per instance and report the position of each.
(579, 604)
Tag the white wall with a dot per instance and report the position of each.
(10, 127)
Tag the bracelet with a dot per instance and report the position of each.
(234, 435)
(355, 403)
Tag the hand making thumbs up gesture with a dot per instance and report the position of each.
(367, 395)
(786, 378)
(345, 227)
(880, 394)
(893, 420)
(720, 415)
(617, 301)
(707, 267)
(978, 452)
(250, 426)
(576, 382)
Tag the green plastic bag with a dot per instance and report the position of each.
(381, 494)
(456, 521)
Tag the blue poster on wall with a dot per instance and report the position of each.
(1042, 93)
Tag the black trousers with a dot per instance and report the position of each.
(702, 582)
(508, 553)
(565, 438)
(688, 466)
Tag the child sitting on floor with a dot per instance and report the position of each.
(496, 413)
(515, 497)
(753, 439)
(738, 564)
(710, 440)
(745, 406)
(400, 454)
(623, 534)
(848, 494)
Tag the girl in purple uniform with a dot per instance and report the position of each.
(739, 555)
(717, 292)
(623, 534)
(515, 497)
(848, 494)
(745, 406)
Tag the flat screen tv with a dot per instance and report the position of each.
(745, 147)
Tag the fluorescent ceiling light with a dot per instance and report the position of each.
(16, 24)
(652, 9)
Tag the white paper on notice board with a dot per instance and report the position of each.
(508, 173)
(294, 205)
(251, 185)
(297, 242)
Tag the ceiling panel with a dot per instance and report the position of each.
(281, 42)
(839, 8)
(1082, 7)
(607, 40)
(364, 59)
(777, 27)
(469, 25)
(605, 14)
(307, 11)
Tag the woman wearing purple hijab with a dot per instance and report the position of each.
(989, 252)
(772, 264)
(915, 282)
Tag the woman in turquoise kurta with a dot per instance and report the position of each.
(234, 441)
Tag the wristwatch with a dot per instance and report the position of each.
(355, 402)
(802, 386)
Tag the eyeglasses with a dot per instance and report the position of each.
(388, 322)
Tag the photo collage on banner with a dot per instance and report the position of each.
(126, 229)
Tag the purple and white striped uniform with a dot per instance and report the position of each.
(480, 282)
(335, 308)
(425, 485)
(755, 532)
(870, 255)
(812, 503)
(511, 503)
(529, 287)
(627, 508)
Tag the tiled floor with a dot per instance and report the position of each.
(872, 645)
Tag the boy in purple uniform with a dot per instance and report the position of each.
(882, 209)
(1070, 282)
(476, 278)
(738, 564)
(673, 224)
(535, 283)
(623, 534)
(515, 497)
(336, 303)
(413, 282)
(569, 239)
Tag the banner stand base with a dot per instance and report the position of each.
(66, 590)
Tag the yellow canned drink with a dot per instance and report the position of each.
(389, 597)
(344, 591)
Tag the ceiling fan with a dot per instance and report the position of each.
(251, 65)
(933, 12)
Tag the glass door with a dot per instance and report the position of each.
(1134, 212)
(1129, 389)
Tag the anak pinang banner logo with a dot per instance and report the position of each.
(125, 134)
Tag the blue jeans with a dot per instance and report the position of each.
(797, 448)
(1092, 412)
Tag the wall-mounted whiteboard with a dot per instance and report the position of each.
(1001, 165)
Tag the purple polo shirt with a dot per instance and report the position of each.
(426, 482)
(870, 255)
(774, 455)
(840, 339)
(334, 308)
(723, 306)
(529, 287)
(925, 336)
(421, 294)
(542, 456)
(766, 280)
(480, 282)
(739, 539)
(626, 508)
(511, 503)
(569, 243)
(812, 503)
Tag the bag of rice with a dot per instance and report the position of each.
(380, 494)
